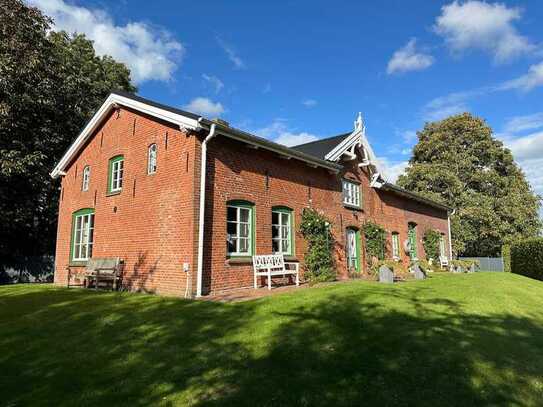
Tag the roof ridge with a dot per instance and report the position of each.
(323, 139)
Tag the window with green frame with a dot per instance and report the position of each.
(395, 245)
(115, 174)
(282, 230)
(240, 228)
(82, 234)
(353, 250)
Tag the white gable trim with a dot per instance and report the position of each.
(111, 102)
(358, 139)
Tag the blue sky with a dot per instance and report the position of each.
(294, 71)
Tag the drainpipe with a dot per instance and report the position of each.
(449, 226)
(201, 212)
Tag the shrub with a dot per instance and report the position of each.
(395, 266)
(426, 266)
(430, 241)
(506, 255)
(319, 259)
(375, 239)
(527, 258)
(465, 264)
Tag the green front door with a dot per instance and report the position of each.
(412, 238)
(353, 250)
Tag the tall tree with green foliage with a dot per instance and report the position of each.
(458, 162)
(50, 84)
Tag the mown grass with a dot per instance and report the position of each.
(472, 339)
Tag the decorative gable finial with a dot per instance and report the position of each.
(359, 122)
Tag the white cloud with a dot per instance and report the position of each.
(204, 106)
(522, 123)
(409, 59)
(532, 79)
(409, 136)
(279, 132)
(526, 147)
(231, 53)
(392, 169)
(485, 26)
(445, 106)
(214, 81)
(151, 54)
(309, 103)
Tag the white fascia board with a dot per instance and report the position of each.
(338, 150)
(112, 101)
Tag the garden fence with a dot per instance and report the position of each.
(487, 263)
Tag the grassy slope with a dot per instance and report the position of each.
(451, 340)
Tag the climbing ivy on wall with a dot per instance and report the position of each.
(430, 242)
(319, 259)
(375, 237)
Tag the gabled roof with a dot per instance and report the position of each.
(321, 147)
(183, 119)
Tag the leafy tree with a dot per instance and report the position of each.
(50, 84)
(457, 162)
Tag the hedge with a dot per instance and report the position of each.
(527, 258)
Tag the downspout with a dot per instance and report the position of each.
(201, 213)
(449, 227)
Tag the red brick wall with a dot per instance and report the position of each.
(236, 171)
(150, 224)
(153, 223)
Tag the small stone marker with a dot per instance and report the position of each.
(385, 275)
(419, 274)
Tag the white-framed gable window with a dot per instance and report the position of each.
(351, 193)
(86, 178)
(152, 159)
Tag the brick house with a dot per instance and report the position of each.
(131, 182)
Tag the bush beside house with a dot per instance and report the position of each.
(527, 258)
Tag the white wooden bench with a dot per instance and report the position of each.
(271, 265)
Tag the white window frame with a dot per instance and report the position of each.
(83, 236)
(117, 170)
(237, 236)
(86, 178)
(281, 226)
(395, 245)
(351, 193)
(152, 154)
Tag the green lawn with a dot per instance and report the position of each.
(468, 339)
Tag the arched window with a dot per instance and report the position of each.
(82, 234)
(282, 226)
(152, 159)
(86, 178)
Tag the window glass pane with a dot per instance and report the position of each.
(275, 231)
(243, 245)
(275, 246)
(231, 214)
(243, 230)
(284, 232)
(285, 218)
(231, 228)
(244, 215)
(231, 244)
(275, 218)
(286, 245)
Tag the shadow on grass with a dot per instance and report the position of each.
(73, 347)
